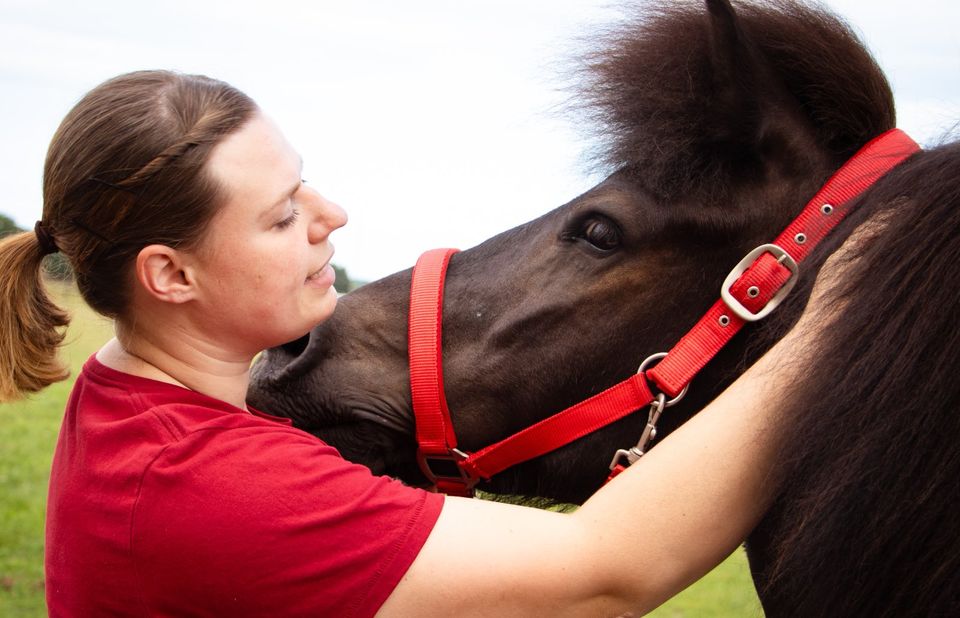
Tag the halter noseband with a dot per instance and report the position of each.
(755, 286)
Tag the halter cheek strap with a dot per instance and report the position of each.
(437, 453)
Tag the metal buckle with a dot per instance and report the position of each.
(454, 456)
(735, 305)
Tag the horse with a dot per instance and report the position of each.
(718, 126)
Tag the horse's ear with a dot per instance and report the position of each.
(725, 39)
(735, 70)
(694, 99)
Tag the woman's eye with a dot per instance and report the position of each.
(285, 223)
(601, 233)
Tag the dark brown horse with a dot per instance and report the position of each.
(720, 125)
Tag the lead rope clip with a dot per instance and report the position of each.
(634, 453)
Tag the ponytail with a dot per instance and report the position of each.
(31, 325)
(125, 169)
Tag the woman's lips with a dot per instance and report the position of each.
(322, 278)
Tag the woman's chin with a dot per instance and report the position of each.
(322, 309)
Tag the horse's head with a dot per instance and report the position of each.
(719, 126)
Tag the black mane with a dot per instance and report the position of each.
(868, 522)
(665, 96)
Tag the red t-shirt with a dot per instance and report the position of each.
(166, 502)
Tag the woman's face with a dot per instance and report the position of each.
(263, 269)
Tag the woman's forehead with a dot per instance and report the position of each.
(256, 162)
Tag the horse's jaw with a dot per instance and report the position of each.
(327, 384)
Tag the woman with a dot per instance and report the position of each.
(181, 208)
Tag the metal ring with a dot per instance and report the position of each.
(800, 238)
(827, 209)
(658, 356)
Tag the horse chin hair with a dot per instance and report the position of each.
(547, 504)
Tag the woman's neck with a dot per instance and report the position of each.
(190, 364)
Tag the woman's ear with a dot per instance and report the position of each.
(164, 274)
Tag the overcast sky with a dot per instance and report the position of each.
(434, 123)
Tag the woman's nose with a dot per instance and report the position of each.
(327, 216)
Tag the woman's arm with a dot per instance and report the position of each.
(653, 530)
(656, 528)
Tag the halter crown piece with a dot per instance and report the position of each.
(48, 244)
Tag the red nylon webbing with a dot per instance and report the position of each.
(435, 433)
(767, 275)
(562, 428)
(710, 334)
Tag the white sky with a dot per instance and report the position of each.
(434, 123)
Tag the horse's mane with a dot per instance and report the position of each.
(689, 105)
(681, 108)
(870, 508)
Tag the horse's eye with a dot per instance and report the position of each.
(601, 233)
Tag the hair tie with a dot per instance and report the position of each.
(47, 243)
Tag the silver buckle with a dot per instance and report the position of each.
(735, 305)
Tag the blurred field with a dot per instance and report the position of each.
(28, 434)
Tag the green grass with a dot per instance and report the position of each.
(725, 591)
(28, 434)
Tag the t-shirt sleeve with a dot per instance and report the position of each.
(272, 522)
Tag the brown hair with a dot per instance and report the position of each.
(124, 170)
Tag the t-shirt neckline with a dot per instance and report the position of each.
(141, 383)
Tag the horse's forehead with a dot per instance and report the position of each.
(621, 189)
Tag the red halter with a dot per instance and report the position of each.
(752, 290)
